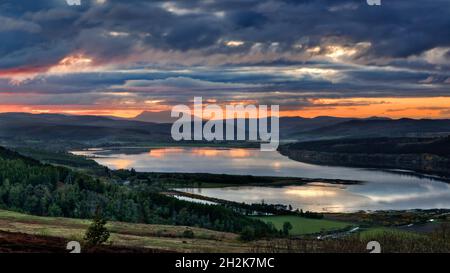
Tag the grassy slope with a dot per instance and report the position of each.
(134, 237)
(301, 225)
(374, 232)
(125, 234)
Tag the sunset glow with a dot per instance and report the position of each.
(438, 107)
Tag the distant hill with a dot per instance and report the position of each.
(24, 127)
(291, 123)
(385, 128)
(404, 145)
(291, 127)
(323, 127)
(425, 155)
(155, 117)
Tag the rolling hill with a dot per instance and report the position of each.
(384, 127)
(16, 128)
(155, 117)
(66, 131)
(424, 155)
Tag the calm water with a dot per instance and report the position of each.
(381, 190)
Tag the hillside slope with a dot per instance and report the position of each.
(385, 128)
(46, 190)
(426, 155)
(125, 236)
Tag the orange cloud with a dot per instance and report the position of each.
(76, 63)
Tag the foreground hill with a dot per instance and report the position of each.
(26, 233)
(52, 235)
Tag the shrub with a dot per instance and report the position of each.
(247, 234)
(188, 233)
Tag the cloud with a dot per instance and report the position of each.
(12, 24)
(186, 83)
(292, 25)
(285, 51)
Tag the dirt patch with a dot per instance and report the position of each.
(11, 242)
(25, 243)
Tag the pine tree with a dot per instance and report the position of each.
(97, 233)
(287, 226)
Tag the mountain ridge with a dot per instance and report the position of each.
(100, 130)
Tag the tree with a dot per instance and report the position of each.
(97, 233)
(247, 234)
(287, 226)
(54, 210)
(188, 233)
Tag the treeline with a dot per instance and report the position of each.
(274, 209)
(208, 179)
(31, 187)
(437, 146)
(190, 179)
(427, 156)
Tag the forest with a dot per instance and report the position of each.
(28, 186)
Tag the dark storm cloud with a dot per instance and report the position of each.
(397, 29)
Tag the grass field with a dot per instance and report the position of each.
(302, 226)
(21, 232)
(161, 237)
(374, 232)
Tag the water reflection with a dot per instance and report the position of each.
(161, 153)
(334, 198)
(121, 163)
(200, 152)
(313, 197)
(382, 190)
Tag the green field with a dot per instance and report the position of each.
(375, 232)
(302, 225)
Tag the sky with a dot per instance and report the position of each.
(313, 58)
